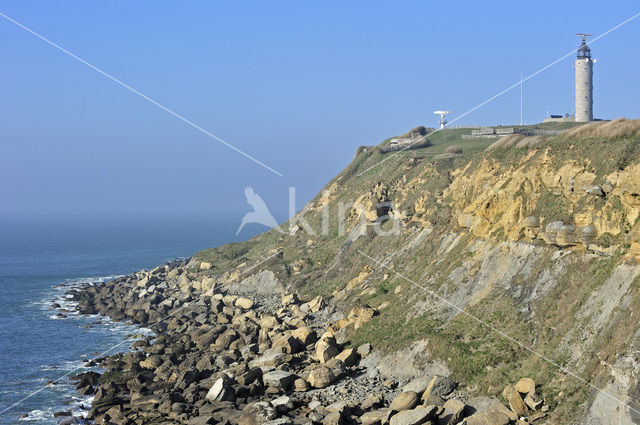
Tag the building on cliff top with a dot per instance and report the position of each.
(583, 86)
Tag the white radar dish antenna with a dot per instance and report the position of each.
(443, 118)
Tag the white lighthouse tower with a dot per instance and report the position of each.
(584, 82)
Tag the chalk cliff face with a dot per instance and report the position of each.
(515, 199)
(490, 265)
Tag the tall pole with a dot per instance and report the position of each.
(520, 97)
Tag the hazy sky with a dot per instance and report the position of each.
(297, 85)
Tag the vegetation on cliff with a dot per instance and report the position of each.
(536, 241)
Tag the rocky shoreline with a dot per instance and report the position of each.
(255, 358)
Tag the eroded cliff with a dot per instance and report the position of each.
(510, 262)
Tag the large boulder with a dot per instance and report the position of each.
(283, 404)
(244, 303)
(348, 356)
(404, 401)
(221, 391)
(496, 414)
(305, 335)
(205, 340)
(229, 300)
(339, 406)
(324, 375)
(249, 376)
(268, 322)
(532, 400)
(257, 413)
(196, 420)
(376, 417)
(439, 386)
(526, 385)
(513, 397)
(279, 379)
(417, 416)
(479, 419)
(315, 304)
(271, 358)
(418, 384)
(360, 315)
(151, 362)
(326, 348)
(288, 342)
(289, 299)
(453, 413)
(321, 377)
(207, 284)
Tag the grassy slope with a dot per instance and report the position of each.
(482, 360)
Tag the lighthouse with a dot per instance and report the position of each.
(584, 82)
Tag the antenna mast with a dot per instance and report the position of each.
(443, 118)
(584, 36)
(520, 97)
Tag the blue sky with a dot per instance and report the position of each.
(297, 85)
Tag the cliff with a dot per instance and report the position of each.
(488, 265)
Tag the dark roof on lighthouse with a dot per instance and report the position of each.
(584, 51)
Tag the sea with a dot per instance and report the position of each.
(41, 259)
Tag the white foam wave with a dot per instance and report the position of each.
(90, 280)
(58, 294)
(67, 366)
(81, 405)
(38, 415)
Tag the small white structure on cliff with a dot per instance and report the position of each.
(443, 118)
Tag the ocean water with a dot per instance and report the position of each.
(42, 258)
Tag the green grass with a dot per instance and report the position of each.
(551, 207)
(606, 240)
(448, 136)
(112, 376)
(478, 357)
(603, 156)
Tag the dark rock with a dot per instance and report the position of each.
(249, 376)
(86, 390)
(283, 404)
(279, 379)
(200, 420)
(439, 386)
